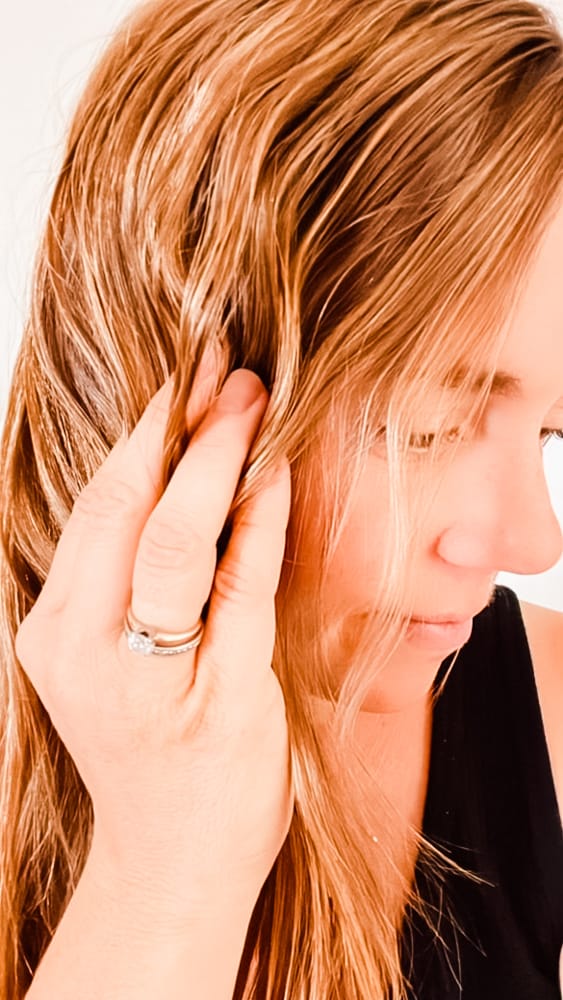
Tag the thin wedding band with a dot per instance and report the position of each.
(148, 639)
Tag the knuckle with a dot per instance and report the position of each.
(105, 501)
(235, 580)
(166, 544)
(218, 441)
(221, 447)
(25, 641)
(37, 653)
(34, 637)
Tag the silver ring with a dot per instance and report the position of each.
(149, 640)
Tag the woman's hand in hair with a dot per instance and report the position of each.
(185, 757)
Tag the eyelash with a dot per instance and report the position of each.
(425, 441)
(546, 434)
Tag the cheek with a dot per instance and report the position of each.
(355, 574)
(355, 571)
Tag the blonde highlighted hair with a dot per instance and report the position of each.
(344, 197)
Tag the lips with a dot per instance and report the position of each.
(442, 634)
(443, 619)
(453, 617)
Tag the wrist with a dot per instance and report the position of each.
(124, 939)
(152, 900)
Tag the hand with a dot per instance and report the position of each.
(185, 757)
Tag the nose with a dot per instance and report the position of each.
(507, 523)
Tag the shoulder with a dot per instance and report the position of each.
(544, 629)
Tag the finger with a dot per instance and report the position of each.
(210, 374)
(240, 629)
(176, 556)
(157, 557)
(144, 448)
(60, 579)
(146, 442)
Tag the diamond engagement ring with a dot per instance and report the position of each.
(148, 639)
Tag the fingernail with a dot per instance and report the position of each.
(241, 390)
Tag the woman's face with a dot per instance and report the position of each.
(492, 509)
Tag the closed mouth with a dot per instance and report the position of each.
(443, 619)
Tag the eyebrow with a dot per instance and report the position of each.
(503, 384)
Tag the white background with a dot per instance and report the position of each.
(46, 50)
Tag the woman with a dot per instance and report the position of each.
(320, 244)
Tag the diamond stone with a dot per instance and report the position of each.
(139, 642)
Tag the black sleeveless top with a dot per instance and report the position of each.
(491, 806)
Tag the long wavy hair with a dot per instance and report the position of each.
(344, 197)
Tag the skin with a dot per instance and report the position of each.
(492, 512)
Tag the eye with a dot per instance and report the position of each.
(550, 433)
(424, 441)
